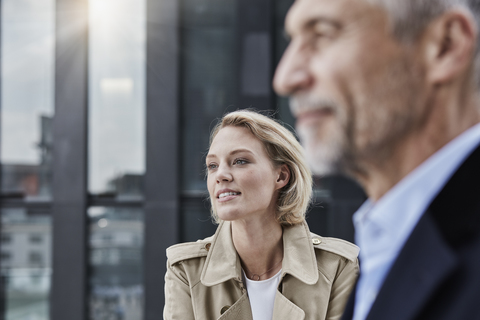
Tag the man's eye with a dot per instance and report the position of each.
(325, 30)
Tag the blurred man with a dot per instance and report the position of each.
(387, 91)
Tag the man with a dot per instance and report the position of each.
(388, 92)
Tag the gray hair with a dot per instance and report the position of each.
(410, 17)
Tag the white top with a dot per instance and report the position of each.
(262, 296)
(382, 228)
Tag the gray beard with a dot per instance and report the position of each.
(323, 158)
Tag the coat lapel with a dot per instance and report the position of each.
(286, 310)
(241, 310)
(421, 267)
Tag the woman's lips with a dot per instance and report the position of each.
(228, 198)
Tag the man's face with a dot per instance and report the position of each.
(356, 91)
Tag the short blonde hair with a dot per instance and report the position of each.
(283, 149)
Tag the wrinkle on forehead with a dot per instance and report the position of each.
(408, 18)
(341, 11)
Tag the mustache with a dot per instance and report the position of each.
(302, 103)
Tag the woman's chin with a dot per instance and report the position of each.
(227, 217)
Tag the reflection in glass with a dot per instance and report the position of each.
(209, 78)
(116, 263)
(27, 87)
(26, 245)
(117, 96)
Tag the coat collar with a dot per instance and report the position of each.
(223, 263)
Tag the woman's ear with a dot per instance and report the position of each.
(283, 176)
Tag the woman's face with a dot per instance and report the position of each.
(242, 181)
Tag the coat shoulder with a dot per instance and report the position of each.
(188, 250)
(337, 246)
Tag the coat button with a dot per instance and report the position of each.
(224, 309)
(207, 246)
(316, 241)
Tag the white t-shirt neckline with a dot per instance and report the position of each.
(262, 295)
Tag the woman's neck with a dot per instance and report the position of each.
(260, 247)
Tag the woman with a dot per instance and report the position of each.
(262, 263)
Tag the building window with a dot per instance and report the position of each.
(36, 238)
(5, 256)
(35, 258)
(6, 238)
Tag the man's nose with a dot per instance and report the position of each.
(292, 72)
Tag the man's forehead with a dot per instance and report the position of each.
(304, 12)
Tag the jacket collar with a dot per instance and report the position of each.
(424, 263)
(429, 256)
(223, 263)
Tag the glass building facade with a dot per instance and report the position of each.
(105, 112)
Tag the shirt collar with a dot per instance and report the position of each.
(223, 263)
(383, 227)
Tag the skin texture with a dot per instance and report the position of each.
(244, 167)
(367, 103)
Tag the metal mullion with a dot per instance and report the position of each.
(162, 174)
(2, 278)
(68, 299)
(43, 208)
(112, 202)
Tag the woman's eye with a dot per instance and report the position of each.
(211, 166)
(240, 161)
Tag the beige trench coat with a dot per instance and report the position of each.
(204, 278)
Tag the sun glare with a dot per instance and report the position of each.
(105, 12)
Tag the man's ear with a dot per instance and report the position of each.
(283, 176)
(450, 42)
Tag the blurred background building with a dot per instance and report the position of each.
(105, 113)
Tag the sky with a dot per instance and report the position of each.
(116, 84)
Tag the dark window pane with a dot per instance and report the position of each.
(25, 266)
(36, 238)
(27, 71)
(116, 263)
(117, 97)
(196, 220)
(209, 78)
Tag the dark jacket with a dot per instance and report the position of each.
(437, 274)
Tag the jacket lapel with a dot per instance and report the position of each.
(423, 264)
(429, 256)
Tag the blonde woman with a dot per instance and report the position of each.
(262, 263)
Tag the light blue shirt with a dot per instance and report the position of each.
(382, 228)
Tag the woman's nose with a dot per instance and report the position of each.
(224, 174)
